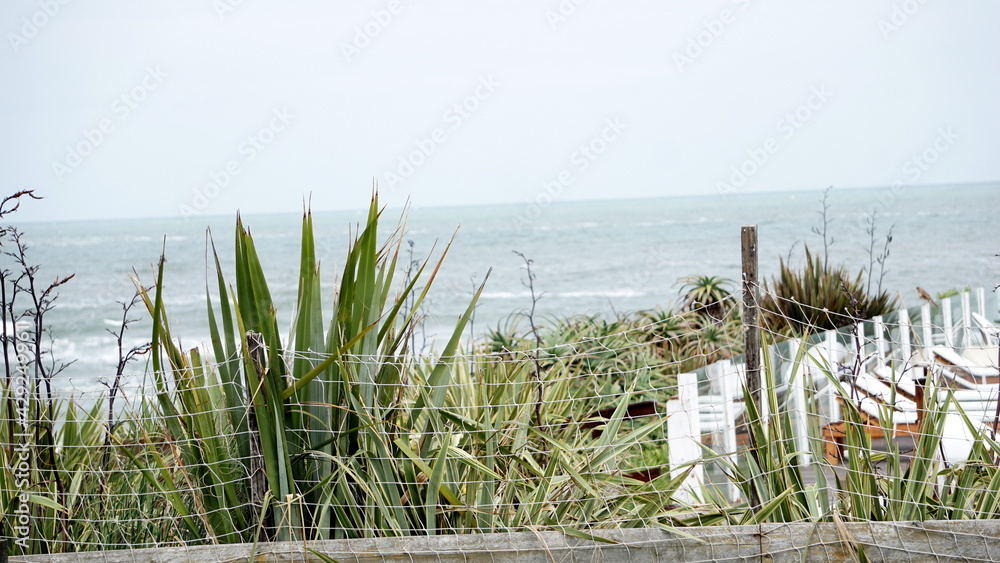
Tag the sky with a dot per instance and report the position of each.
(117, 109)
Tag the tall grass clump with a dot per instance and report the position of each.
(866, 484)
(294, 437)
(647, 348)
(337, 431)
(63, 485)
(818, 297)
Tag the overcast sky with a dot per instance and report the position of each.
(120, 108)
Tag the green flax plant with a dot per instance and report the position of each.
(819, 297)
(568, 473)
(654, 346)
(773, 471)
(867, 485)
(918, 485)
(104, 502)
(338, 431)
(296, 438)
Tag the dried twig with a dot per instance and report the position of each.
(827, 240)
(124, 358)
(530, 284)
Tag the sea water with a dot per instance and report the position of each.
(595, 257)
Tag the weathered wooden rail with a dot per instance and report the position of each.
(917, 542)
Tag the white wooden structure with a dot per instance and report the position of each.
(877, 364)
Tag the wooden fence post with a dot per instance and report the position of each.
(751, 339)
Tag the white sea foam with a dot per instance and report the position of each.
(608, 293)
(505, 295)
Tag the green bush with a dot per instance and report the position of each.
(818, 297)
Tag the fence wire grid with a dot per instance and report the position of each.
(891, 419)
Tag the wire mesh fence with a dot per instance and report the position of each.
(641, 425)
(645, 430)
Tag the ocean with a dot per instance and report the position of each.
(595, 257)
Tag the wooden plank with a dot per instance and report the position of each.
(880, 349)
(966, 320)
(926, 326)
(949, 323)
(904, 337)
(684, 436)
(797, 402)
(919, 542)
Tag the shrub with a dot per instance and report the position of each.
(819, 297)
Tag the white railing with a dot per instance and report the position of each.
(884, 362)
